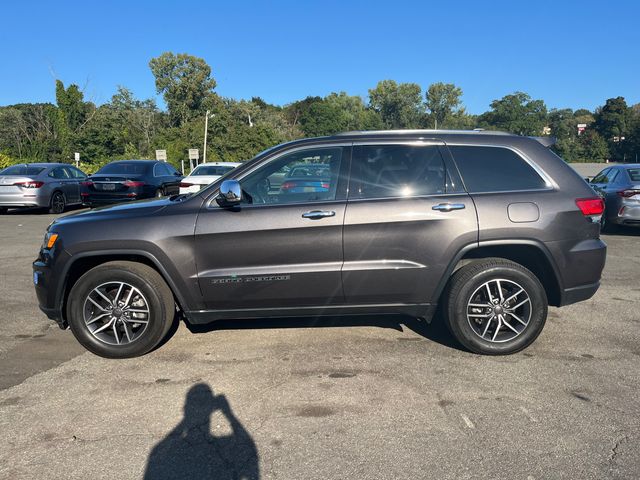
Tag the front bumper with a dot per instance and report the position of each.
(48, 282)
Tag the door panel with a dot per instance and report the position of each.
(406, 219)
(396, 250)
(270, 256)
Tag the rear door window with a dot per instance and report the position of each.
(59, 173)
(384, 171)
(611, 176)
(495, 169)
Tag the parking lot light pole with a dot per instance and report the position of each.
(206, 128)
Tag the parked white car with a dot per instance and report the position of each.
(204, 174)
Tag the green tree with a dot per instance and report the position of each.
(73, 115)
(443, 102)
(592, 147)
(185, 82)
(516, 113)
(398, 104)
(338, 112)
(613, 122)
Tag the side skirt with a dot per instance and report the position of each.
(419, 310)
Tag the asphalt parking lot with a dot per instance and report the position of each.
(366, 397)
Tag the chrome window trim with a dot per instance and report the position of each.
(550, 184)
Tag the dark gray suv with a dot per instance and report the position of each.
(490, 227)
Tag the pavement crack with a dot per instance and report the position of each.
(614, 450)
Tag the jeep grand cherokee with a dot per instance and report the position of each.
(491, 227)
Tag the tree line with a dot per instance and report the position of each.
(128, 127)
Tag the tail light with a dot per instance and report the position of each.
(287, 186)
(87, 183)
(132, 183)
(325, 185)
(185, 185)
(29, 184)
(629, 193)
(590, 206)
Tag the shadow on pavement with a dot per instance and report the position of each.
(191, 451)
(435, 330)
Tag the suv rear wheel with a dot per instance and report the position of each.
(120, 309)
(495, 306)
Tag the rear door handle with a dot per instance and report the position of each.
(316, 214)
(447, 207)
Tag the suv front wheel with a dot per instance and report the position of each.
(120, 309)
(495, 306)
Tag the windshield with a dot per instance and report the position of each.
(634, 173)
(22, 170)
(211, 170)
(129, 168)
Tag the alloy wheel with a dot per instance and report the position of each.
(57, 203)
(116, 313)
(499, 310)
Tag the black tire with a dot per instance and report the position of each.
(3, 210)
(57, 204)
(155, 292)
(465, 287)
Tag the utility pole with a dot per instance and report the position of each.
(206, 128)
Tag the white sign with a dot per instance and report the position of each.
(194, 154)
(76, 156)
(161, 155)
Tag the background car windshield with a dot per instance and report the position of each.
(211, 170)
(22, 170)
(125, 168)
(634, 173)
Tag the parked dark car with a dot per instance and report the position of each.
(306, 177)
(491, 227)
(619, 185)
(53, 186)
(129, 180)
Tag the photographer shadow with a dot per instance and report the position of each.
(190, 451)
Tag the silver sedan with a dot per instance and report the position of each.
(619, 185)
(47, 185)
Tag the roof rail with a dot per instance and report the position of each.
(423, 131)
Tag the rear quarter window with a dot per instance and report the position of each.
(495, 169)
(634, 174)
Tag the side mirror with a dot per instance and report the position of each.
(587, 179)
(230, 193)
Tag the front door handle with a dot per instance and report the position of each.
(447, 207)
(316, 214)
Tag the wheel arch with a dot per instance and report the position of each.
(531, 254)
(84, 262)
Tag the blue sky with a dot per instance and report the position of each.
(568, 53)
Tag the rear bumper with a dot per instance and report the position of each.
(627, 215)
(579, 294)
(23, 200)
(579, 266)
